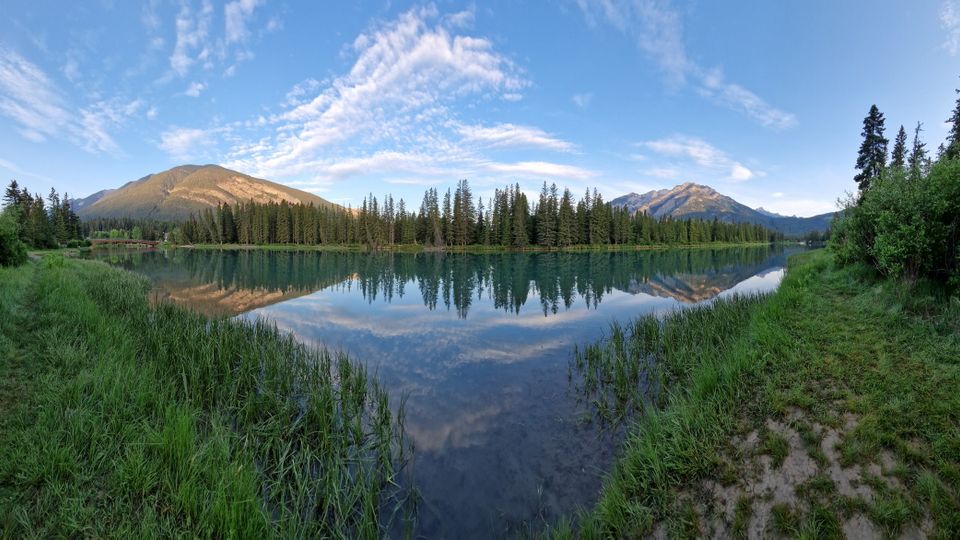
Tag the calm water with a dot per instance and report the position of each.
(478, 345)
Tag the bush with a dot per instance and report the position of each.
(12, 251)
(905, 228)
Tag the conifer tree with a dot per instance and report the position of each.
(918, 154)
(873, 150)
(899, 154)
(952, 150)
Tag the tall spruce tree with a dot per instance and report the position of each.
(952, 150)
(918, 155)
(873, 150)
(899, 154)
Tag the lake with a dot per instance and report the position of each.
(478, 346)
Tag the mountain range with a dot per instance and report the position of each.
(689, 201)
(186, 190)
(182, 191)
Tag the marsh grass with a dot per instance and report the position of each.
(141, 421)
(832, 341)
(622, 374)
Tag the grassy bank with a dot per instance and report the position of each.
(419, 248)
(119, 419)
(829, 408)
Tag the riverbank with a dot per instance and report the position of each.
(828, 408)
(122, 419)
(419, 248)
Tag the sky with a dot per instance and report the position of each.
(763, 101)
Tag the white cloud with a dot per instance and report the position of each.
(658, 30)
(185, 144)
(236, 15)
(777, 194)
(98, 119)
(950, 21)
(541, 169)
(583, 100)
(510, 135)
(702, 154)
(194, 89)
(193, 32)
(395, 95)
(738, 98)
(152, 113)
(31, 100)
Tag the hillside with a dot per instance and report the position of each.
(181, 191)
(688, 201)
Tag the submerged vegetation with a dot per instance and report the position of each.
(122, 419)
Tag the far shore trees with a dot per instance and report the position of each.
(507, 220)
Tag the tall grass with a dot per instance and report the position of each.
(704, 364)
(160, 422)
(621, 374)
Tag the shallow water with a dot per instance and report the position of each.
(477, 345)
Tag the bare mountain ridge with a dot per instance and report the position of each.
(690, 201)
(178, 193)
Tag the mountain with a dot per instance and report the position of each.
(768, 213)
(185, 190)
(689, 201)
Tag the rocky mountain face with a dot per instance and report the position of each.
(177, 193)
(689, 201)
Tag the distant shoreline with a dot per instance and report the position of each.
(417, 248)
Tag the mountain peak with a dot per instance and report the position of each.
(691, 200)
(185, 190)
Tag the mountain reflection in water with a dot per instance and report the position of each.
(476, 345)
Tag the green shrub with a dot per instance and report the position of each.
(12, 250)
(905, 228)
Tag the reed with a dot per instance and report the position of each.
(155, 421)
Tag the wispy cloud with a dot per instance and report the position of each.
(583, 100)
(100, 118)
(540, 168)
(658, 30)
(510, 135)
(395, 102)
(194, 89)
(193, 32)
(31, 99)
(702, 154)
(186, 144)
(237, 14)
(950, 21)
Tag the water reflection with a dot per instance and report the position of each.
(477, 345)
(234, 282)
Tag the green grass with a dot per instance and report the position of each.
(830, 341)
(120, 419)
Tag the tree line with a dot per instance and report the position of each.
(508, 219)
(30, 221)
(904, 219)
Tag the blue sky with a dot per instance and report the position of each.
(761, 100)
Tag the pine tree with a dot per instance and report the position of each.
(899, 154)
(12, 195)
(566, 220)
(952, 150)
(918, 155)
(873, 151)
